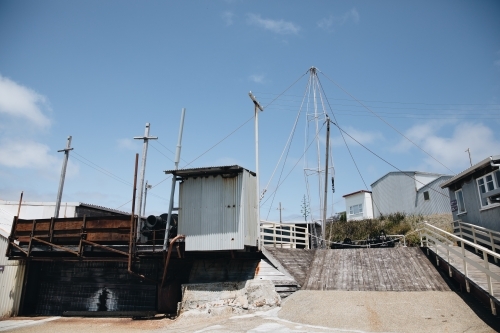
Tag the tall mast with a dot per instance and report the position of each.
(325, 202)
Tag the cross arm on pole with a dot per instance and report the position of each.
(257, 104)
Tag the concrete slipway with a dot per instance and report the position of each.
(305, 311)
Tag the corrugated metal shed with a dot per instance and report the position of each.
(11, 281)
(217, 208)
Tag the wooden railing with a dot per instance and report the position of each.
(444, 243)
(284, 235)
(478, 235)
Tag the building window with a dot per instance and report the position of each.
(356, 209)
(426, 195)
(486, 184)
(460, 201)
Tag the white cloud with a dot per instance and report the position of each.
(227, 16)
(128, 144)
(21, 107)
(26, 154)
(18, 101)
(277, 26)
(257, 78)
(451, 150)
(364, 137)
(327, 23)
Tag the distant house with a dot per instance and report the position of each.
(475, 194)
(410, 192)
(358, 205)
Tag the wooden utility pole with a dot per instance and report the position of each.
(146, 138)
(470, 160)
(257, 107)
(63, 175)
(280, 209)
(174, 180)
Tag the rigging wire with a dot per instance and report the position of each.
(345, 141)
(288, 144)
(298, 160)
(387, 123)
(284, 91)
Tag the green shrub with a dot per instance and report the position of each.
(392, 224)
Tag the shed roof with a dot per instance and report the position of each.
(357, 192)
(412, 173)
(71, 204)
(208, 171)
(467, 172)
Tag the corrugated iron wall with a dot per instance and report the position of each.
(11, 282)
(439, 201)
(218, 213)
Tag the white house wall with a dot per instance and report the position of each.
(32, 210)
(356, 199)
(11, 282)
(368, 212)
(422, 179)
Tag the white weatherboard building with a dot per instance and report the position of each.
(358, 205)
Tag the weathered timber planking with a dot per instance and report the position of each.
(474, 274)
(295, 261)
(379, 269)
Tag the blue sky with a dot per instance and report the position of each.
(99, 70)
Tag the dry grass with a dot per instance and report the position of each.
(393, 224)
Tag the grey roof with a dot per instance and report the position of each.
(408, 173)
(208, 171)
(467, 172)
(104, 208)
(353, 193)
(437, 180)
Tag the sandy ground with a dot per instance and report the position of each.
(304, 311)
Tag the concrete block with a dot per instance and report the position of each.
(228, 297)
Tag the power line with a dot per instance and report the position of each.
(345, 91)
(405, 103)
(388, 162)
(104, 172)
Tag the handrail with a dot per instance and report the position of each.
(479, 247)
(478, 227)
(478, 234)
(436, 235)
(291, 237)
